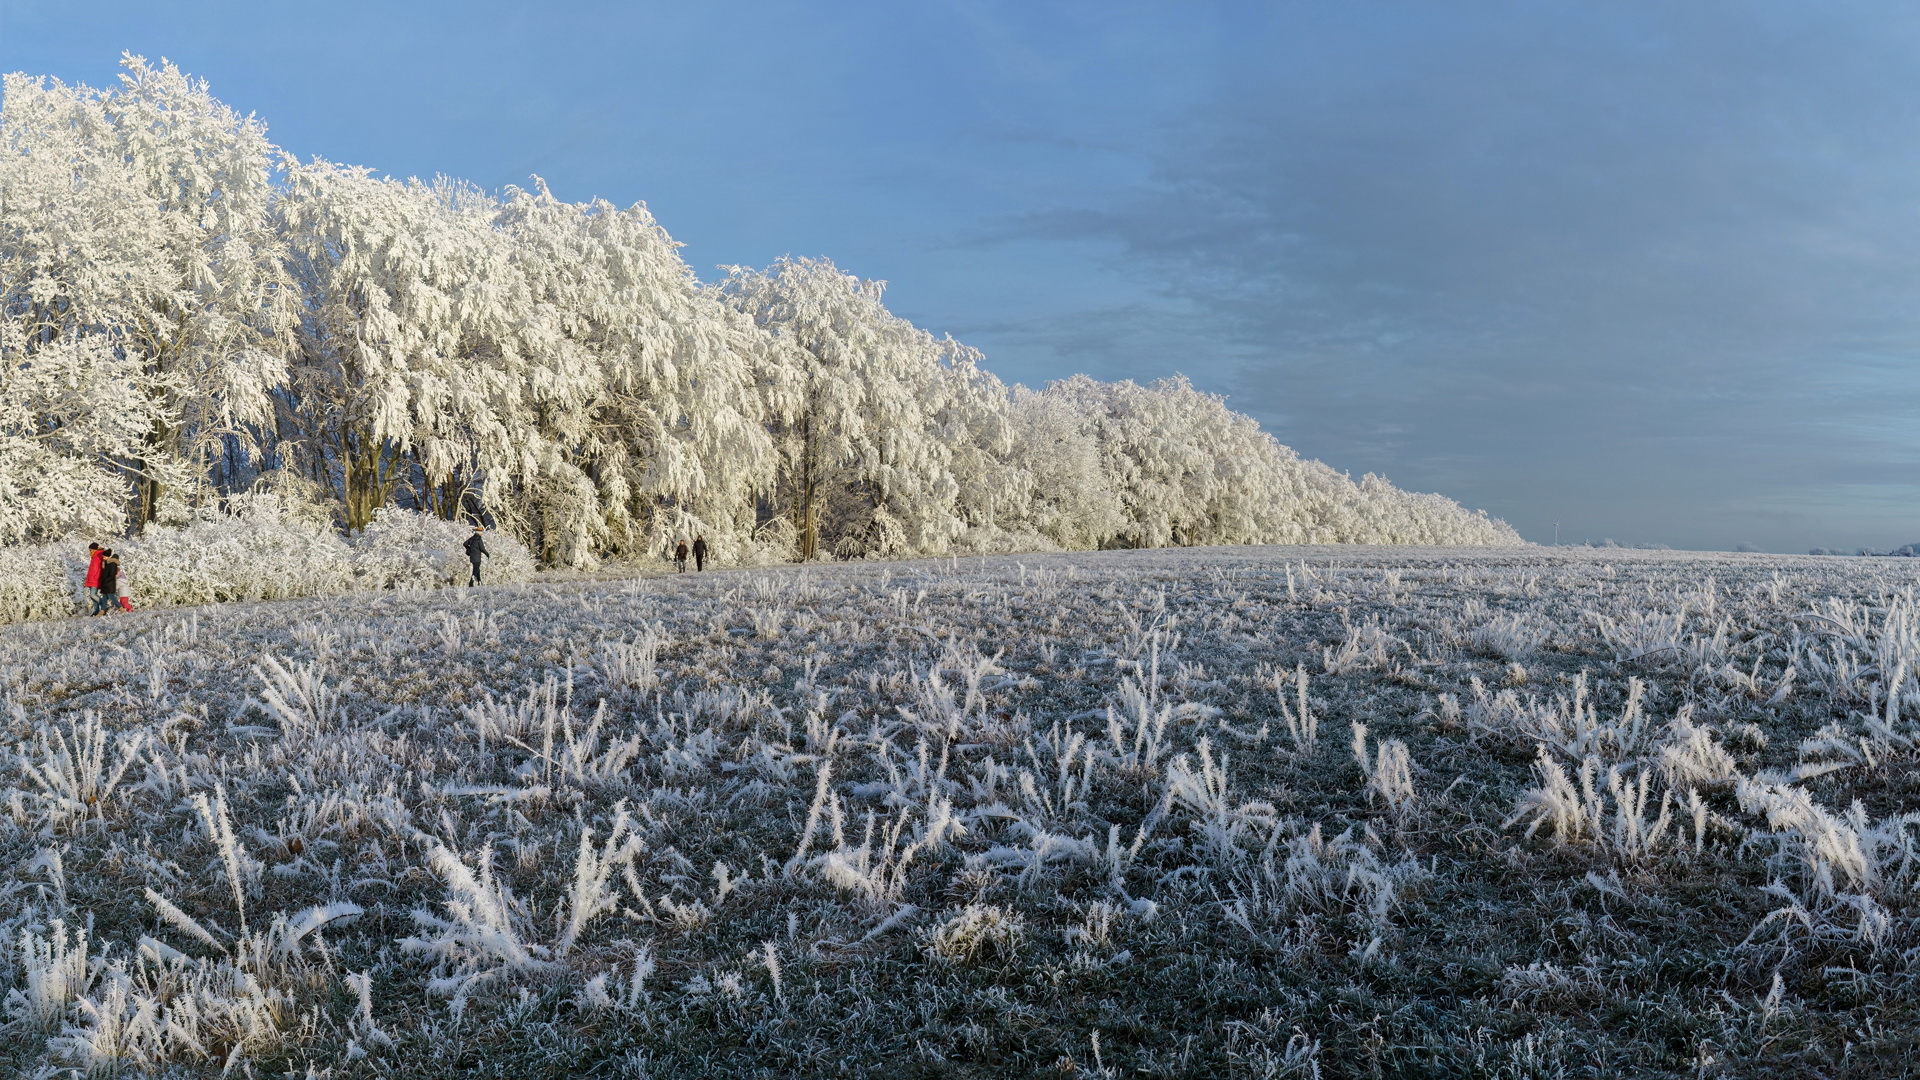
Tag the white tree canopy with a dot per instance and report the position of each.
(188, 314)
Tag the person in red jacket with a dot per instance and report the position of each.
(109, 584)
(95, 553)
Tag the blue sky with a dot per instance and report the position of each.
(1650, 270)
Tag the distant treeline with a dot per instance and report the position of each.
(187, 314)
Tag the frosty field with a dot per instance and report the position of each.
(1248, 811)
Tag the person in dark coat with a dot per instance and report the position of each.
(476, 546)
(680, 557)
(109, 597)
(95, 553)
(699, 553)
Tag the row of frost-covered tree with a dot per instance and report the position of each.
(188, 313)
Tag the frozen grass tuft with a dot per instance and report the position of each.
(975, 932)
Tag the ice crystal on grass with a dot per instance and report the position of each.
(1508, 637)
(975, 932)
(484, 932)
(605, 820)
(1303, 727)
(56, 971)
(1619, 814)
(73, 772)
(1388, 773)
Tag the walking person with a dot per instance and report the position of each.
(680, 557)
(109, 597)
(699, 553)
(476, 546)
(95, 553)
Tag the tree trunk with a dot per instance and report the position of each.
(369, 468)
(147, 487)
(808, 525)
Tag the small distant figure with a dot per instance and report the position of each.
(95, 553)
(109, 584)
(476, 546)
(699, 553)
(680, 557)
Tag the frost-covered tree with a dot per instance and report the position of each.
(1185, 469)
(554, 365)
(858, 453)
(976, 424)
(1066, 494)
(404, 296)
(207, 325)
(77, 257)
(643, 386)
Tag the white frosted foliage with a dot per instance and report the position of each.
(189, 315)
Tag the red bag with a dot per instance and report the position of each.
(126, 603)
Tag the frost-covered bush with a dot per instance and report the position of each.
(984, 541)
(41, 581)
(771, 543)
(265, 552)
(401, 549)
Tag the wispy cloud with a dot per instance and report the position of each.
(1653, 266)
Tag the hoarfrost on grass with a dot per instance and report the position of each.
(384, 832)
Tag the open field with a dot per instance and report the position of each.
(1260, 812)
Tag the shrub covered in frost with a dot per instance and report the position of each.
(265, 548)
(40, 581)
(264, 552)
(401, 549)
